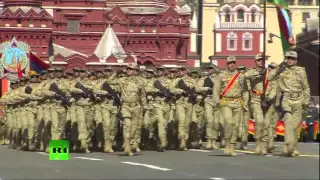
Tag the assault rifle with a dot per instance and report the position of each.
(86, 91)
(163, 91)
(191, 92)
(59, 94)
(115, 96)
(208, 83)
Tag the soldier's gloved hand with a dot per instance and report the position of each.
(263, 71)
(281, 68)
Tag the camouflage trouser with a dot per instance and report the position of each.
(184, 111)
(109, 120)
(212, 116)
(160, 117)
(132, 122)
(231, 112)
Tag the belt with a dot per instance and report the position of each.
(231, 98)
(133, 104)
(259, 93)
(292, 95)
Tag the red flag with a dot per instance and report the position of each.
(19, 71)
(251, 125)
(280, 128)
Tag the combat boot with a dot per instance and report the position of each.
(290, 150)
(127, 148)
(209, 144)
(270, 147)
(285, 150)
(182, 145)
(110, 147)
(223, 143)
(231, 150)
(106, 146)
(244, 145)
(135, 147)
(295, 152)
(84, 146)
(32, 146)
(213, 144)
(163, 145)
(227, 151)
(258, 146)
(47, 150)
(263, 148)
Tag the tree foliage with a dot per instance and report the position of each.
(192, 3)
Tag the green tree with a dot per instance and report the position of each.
(192, 3)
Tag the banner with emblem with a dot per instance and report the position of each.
(14, 61)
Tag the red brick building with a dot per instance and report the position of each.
(97, 32)
(238, 32)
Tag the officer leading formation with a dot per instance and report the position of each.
(163, 108)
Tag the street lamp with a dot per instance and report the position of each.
(271, 36)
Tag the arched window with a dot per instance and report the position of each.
(232, 41)
(253, 15)
(240, 15)
(247, 41)
(228, 15)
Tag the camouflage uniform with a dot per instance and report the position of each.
(293, 84)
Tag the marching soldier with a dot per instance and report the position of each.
(271, 115)
(243, 126)
(133, 96)
(227, 91)
(259, 83)
(294, 87)
(212, 115)
(184, 90)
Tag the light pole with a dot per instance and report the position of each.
(271, 35)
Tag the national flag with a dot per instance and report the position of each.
(280, 128)
(287, 38)
(19, 71)
(251, 125)
(36, 64)
(315, 129)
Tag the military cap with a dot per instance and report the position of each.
(149, 70)
(107, 69)
(231, 59)
(50, 70)
(132, 66)
(58, 69)
(172, 70)
(69, 72)
(13, 83)
(292, 54)
(43, 73)
(209, 66)
(241, 67)
(182, 68)
(82, 70)
(76, 69)
(193, 71)
(259, 56)
(161, 68)
(34, 75)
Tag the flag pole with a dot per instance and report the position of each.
(265, 29)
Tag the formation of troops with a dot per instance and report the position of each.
(161, 108)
